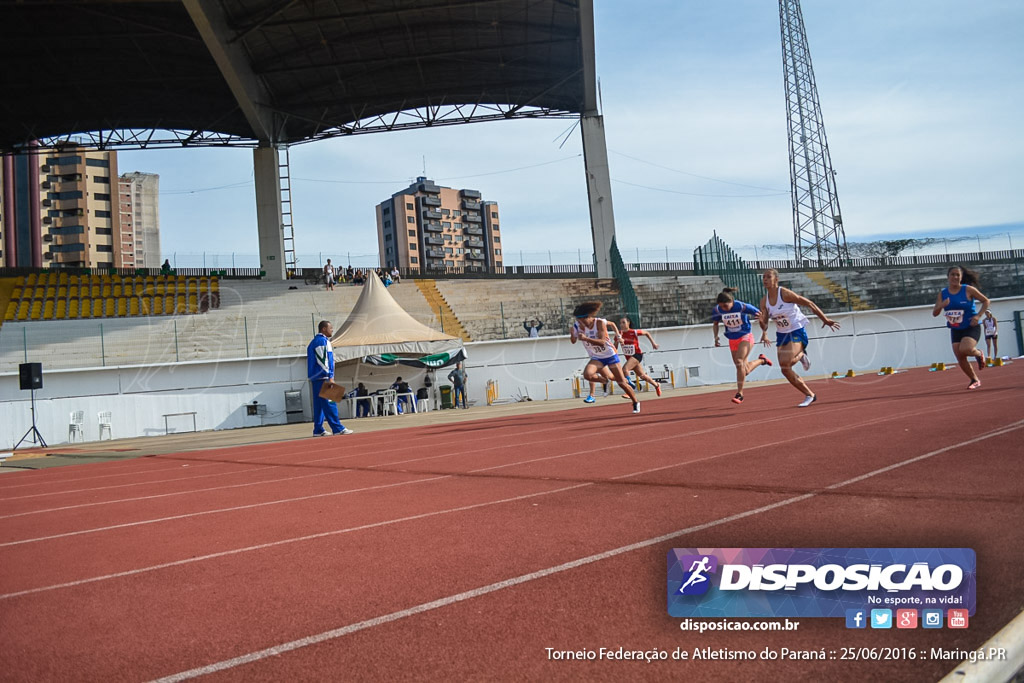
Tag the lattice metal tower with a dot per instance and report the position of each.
(817, 223)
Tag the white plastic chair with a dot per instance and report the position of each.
(390, 400)
(104, 420)
(76, 425)
(422, 405)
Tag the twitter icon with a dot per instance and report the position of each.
(881, 618)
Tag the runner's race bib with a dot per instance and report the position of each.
(781, 322)
(954, 317)
(733, 321)
(629, 349)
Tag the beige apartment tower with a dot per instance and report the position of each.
(64, 209)
(139, 207)
(429, 227)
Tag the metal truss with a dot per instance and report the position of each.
(422, 117)
(817, 222)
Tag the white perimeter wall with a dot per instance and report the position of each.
(217, 391)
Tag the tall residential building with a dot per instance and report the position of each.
(139, 206)
(433, 227)
(57, 208)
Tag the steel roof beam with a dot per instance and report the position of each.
(210, 21)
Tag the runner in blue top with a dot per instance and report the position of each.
(735, 315)
(959, 302)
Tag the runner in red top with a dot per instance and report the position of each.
(630, 347)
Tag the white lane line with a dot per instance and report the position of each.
(543, 573)
(280, 501)
(286, 541)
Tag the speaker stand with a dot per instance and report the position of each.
(32, 431)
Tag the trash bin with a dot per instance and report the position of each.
(293, 406)
(446, 396)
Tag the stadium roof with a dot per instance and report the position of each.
(218, 72)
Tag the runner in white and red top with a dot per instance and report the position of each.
(593, 332)
(630, 347)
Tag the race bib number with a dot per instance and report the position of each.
(733, 321)
(781, 322)
(629, 349)
(954, 317)
(596, 343)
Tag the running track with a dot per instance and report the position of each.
(461, 552)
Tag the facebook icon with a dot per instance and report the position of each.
(856, 618)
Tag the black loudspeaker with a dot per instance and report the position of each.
(31, 376)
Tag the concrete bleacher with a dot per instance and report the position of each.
(668, 301)
(254, 319)
(497, 309)
(898, 287)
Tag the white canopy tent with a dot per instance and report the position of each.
(378, 326)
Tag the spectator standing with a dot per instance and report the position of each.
(165, 269)
(329, 275)
(320, 370)
(532, 327)
(458, 377)
(991, 334)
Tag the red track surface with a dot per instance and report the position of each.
(463, 551)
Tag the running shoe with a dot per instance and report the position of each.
(765, 359)
(344, 431)
(975, 384)
(319, 433)
(738, 398)
(631, 384)
(589, 399)
(808, 401)
(981, 361)
(636, 408)
(805, 362)
(657, 388)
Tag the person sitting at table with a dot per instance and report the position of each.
(402, 388)
(362, 406)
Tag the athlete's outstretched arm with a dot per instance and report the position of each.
(794, 298)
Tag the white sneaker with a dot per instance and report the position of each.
(636, 408)
(805, 362)
(808, 401)
(345, 431)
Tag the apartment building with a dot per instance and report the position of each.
(64, 208)
(431, 227)
(139, 207)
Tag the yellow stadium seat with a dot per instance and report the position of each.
(73, 308)
(73, 291)
(62, 309)
(16, 293)
(180, 307)
(117, 291)
(150, 289)
(215, 284)
(133, 306)
(51, 278)
(48, 310)
(51, 291)
(85, 310)
(97, 308)
(109, 307)
(94, 291)
(31, 279)
(158, 306)
(122, 307)
(105, 290)
(12, 310)
(39, 292)
(62, 279)
(74, 279)
(62, 292)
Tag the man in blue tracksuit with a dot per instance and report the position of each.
(320, 369)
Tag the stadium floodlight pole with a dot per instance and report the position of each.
(817, 222)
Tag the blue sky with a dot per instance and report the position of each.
(922, 105)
